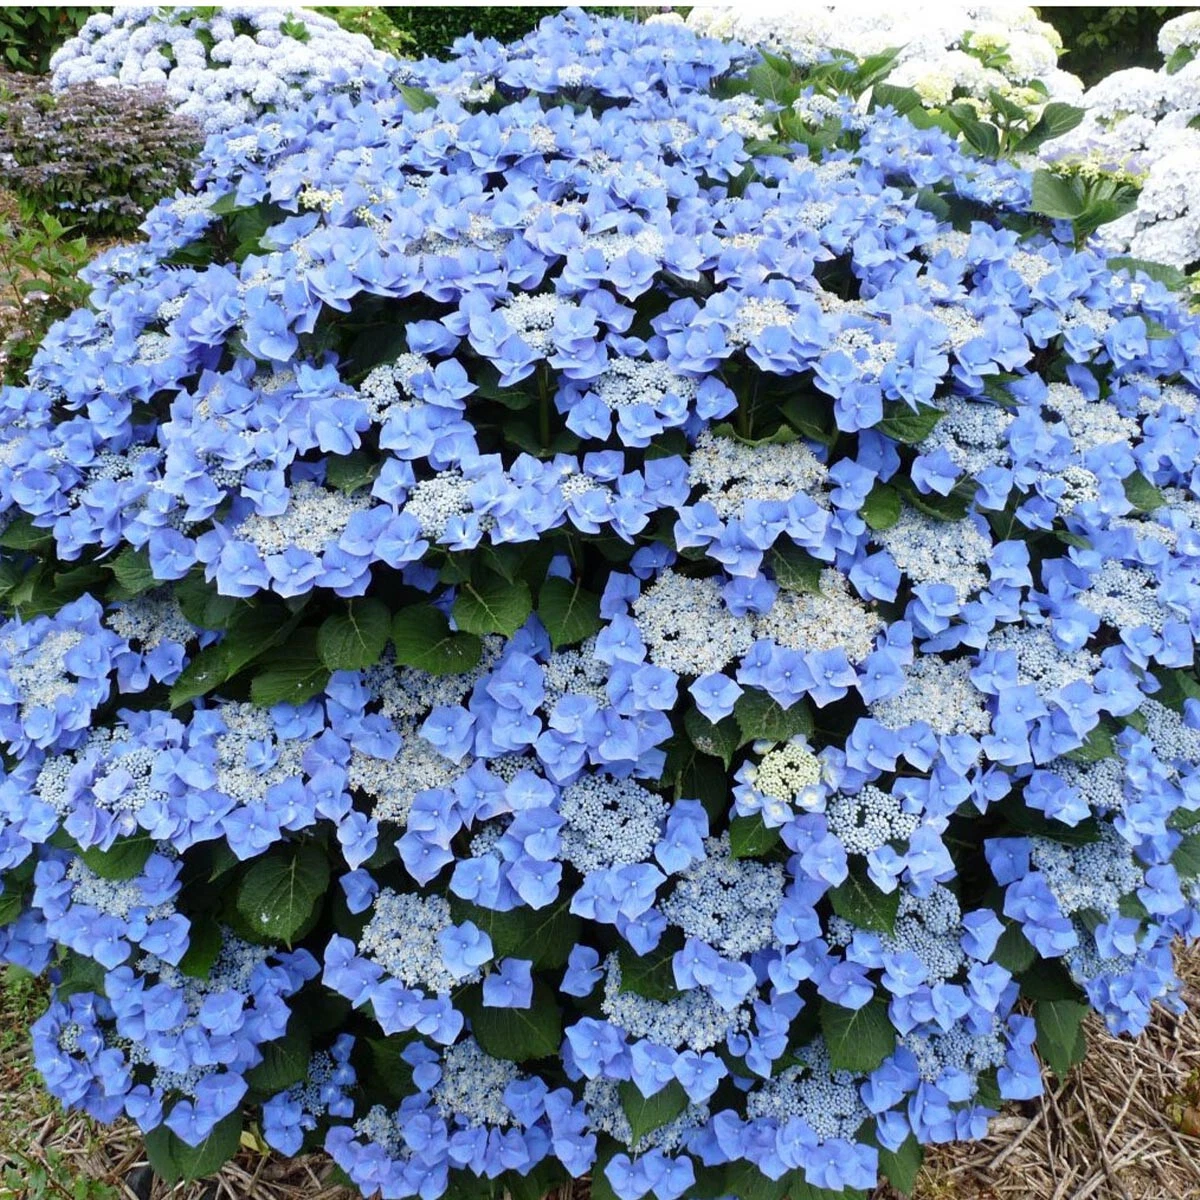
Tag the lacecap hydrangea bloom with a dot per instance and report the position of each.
(1141, 124)
(957, 51)
(555, 633)
(220, 66)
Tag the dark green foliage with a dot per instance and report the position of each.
(29, 35)
(432, 29)
(39, 262)
(1101, 39)
(1086, 203)
(98, 156)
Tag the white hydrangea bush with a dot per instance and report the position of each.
(222, 66)
(1141, 124)
(948, 52)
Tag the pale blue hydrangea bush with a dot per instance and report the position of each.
(569, 622)
(221, 66)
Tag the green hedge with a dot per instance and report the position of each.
(432, 29)
(29, 35)
(1106, 38)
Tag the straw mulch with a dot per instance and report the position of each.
(1123, 1126)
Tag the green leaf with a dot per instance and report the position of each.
(1006, 108)
(493, 606)
(248, 227)
(981, 136)
(1099, 744)
(942, 508)
(902, 99)
(1177, 688)
(1186, 859)
(568, 612)
(417, 99)
(861, 903)
(506, 560)
(651, 975)
(203, 605)
(873, 68)
(1049, 979)
(926, 198)
(79, 974)
(249, 634)
(902, 424)
(1014, 952)
(902, 1165)
(1057, 118)
(544, 935)
(759, 716)
(798, 1188)
(783, 436)
(1060, 1037)
(857, 1039)
(548, 1178)
(882, 507)
(648, 1113)
(290, 675)
(750, 838)
(696, 776)
(72, 583)
(174, 1161)
(1171, 277)
(720, 740)
(204, 945)
(812, 415)
(285, 1062)
(1056, 197)
(1032, 822)
(745, 1181)
(208, 670)
(1182, 55)
(225, 205)
(355, 639)
(795, 570)
(423, 639)
(514, 399)
(133, 575)
(768, 83)
(1142, 494)
(124, 859)
(350, 472)
(11, 904)
(22, 534)
(520, 1034)
(386, 1066)
(281, 894)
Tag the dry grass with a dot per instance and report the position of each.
(1123, 1126)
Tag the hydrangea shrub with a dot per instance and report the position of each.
(965, 52)
(1141, 125)
(558, 633)
(220, 65)
(98, 157)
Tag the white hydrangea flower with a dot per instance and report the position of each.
(1138, 126)
(222, 69)
(942, 50)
